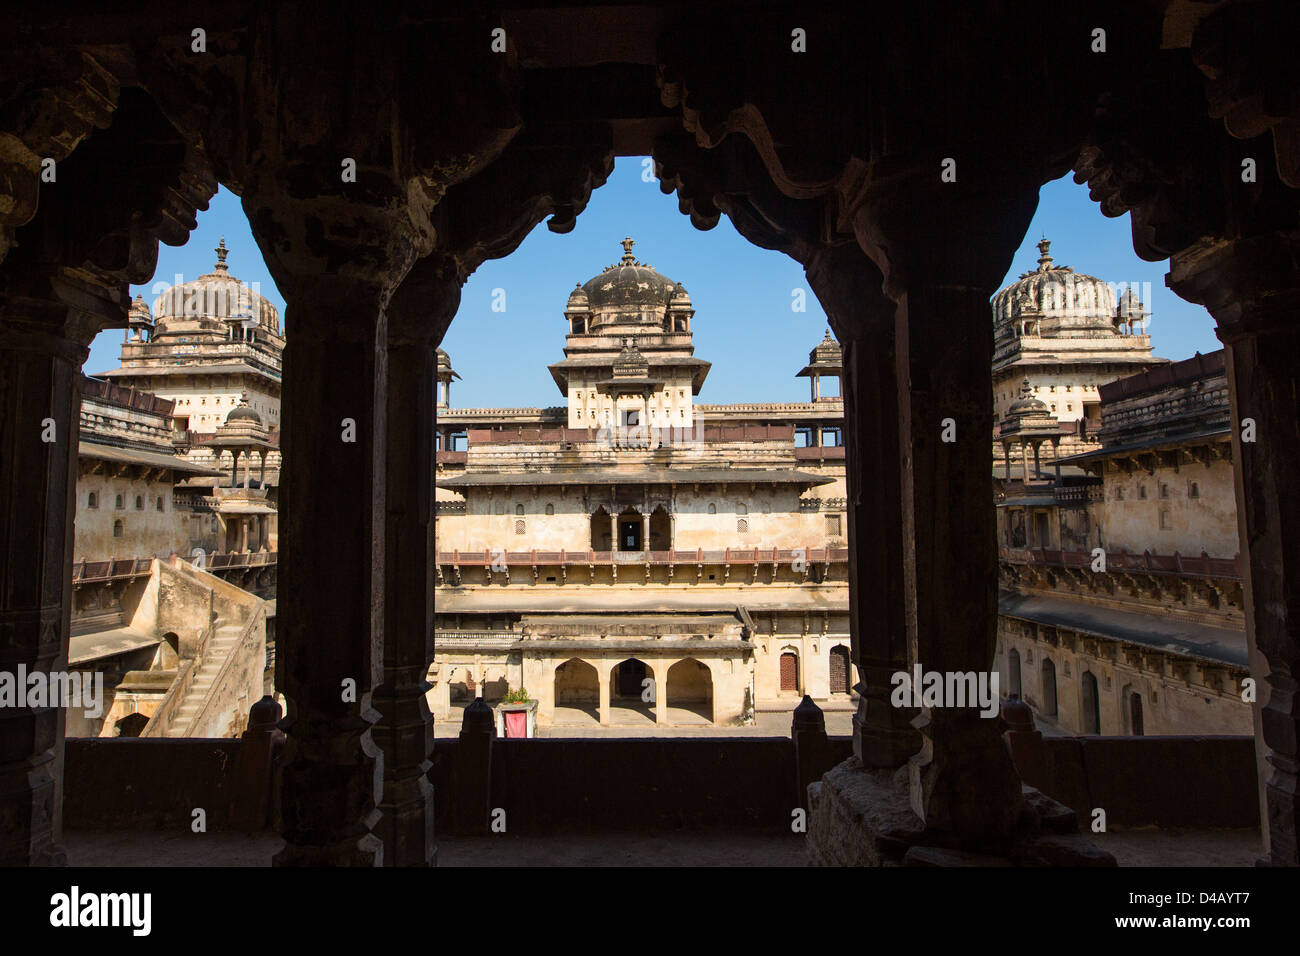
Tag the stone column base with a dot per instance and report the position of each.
(863, 817)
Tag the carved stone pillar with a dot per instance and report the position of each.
(42, 348)
(848, 286)
(1252, 288)
(405, 728)
(963, 782)
(331, 571)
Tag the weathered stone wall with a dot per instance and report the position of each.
(1170, 704)
(146, 530)
(1174, 515)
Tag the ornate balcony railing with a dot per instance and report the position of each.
(1188, 566)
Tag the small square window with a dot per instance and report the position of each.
(833, 526)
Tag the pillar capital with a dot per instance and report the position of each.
(919, 229)
(1250, 285)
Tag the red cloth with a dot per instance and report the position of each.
(516, 723)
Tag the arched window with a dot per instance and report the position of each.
(519, 509)
(1013, 672)
(742, 526)
(1049, 687)
(92, 500)
(158, 503)
(139, 502)
(1091, 704)
(519, 527)
(550, 509)
(118, 528)
(713, 509)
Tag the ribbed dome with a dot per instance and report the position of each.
(1054, 300)
(216, 295)
(629, 290)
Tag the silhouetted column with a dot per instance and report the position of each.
(405, 728)
(331, 572)
(808, 733)
(42, 348)
(474, 768)
(943, 253)
(1252, 289)
(848, 286)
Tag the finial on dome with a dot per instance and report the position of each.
(627, 244)
(1044, 260)
(221, 252)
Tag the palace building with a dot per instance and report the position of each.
(175, 535)
(633, 550)
(634, 533)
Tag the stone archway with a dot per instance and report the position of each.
(633, 692)
(689, 690)
(577, 693)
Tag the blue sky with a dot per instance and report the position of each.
(742, 295)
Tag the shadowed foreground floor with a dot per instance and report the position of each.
(1145, 847)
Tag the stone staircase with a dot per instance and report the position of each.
(219, 647)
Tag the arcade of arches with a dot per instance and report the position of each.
(900, 199)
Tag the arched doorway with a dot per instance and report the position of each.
(660, 529)
(839, 665)
(789, 672)
(690, 692)
(1049, 688)
(132, 725)
(1091, 703)
(577, 693)
(632, 693)
(601, 530)
(1135, 722)
(1013, 673)
(631, 528)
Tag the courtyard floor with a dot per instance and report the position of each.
(1143, 847)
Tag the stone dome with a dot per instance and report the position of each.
(140, 313)
(627, 292)
(243, 412)
(1054, 300)
(1027, 403)
(578, 300)
(214, 299)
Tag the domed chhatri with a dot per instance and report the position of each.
(1027, 403)
(1055, 300)
(628, 290)
(213, 300)
(243, 412)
